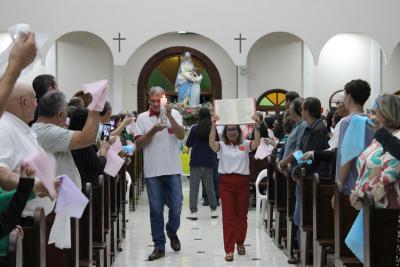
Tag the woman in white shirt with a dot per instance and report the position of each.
(235, 182)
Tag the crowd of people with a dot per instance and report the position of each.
(37, 118)
(359, 150)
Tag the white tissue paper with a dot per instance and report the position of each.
(16, 31)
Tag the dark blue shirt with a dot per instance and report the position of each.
(201, 155)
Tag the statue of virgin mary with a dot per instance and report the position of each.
(187, 83)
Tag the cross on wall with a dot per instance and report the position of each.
(119, 39)
(240, 39)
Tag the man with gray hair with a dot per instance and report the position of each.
(294, 138)
(56, 139)
(162, 169)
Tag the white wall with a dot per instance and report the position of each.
(139, 21)
(391, 73)
(81, 58)
(215, 53)
(275, 61)
(345, 57)
(37, 68)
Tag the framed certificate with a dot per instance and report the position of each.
(235, 111)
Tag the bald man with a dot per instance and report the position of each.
(18, 141)
(21, 55)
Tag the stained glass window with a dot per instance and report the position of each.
(272, 99)
(164, 74)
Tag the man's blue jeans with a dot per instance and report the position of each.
(164, 190)
(297, 210)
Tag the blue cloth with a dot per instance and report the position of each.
(128, 149)
(184, 91)
(353, 174)
(201, 155)
(164, 190)
(298, 155)
(294, 138)
(353, 141)
(355, 237)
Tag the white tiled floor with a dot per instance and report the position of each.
(201, 241)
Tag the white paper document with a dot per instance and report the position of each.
(235, 111)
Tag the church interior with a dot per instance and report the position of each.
(261, 49)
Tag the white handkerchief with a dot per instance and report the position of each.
(263, 150)
(99, 94)
(71, 202)
(15, 32)
(131, 128)
(60, 233)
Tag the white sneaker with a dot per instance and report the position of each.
(214, 214)
(192, 216)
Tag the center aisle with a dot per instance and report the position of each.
(201, 241)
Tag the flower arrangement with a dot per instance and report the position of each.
(190, 114)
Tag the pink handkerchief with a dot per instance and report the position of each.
(117, 146)
(98, 92)
(71, 202)
(45, 165)
(114, 163)
(263, 150)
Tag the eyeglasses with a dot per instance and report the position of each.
(232, 129)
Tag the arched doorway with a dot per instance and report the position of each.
(273, 100)
(162, 68)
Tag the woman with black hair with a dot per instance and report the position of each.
(235, 182)
(89, 164)
(203, 162)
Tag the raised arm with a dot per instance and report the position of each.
(21, 55)
(257, 136)
(87, 136)
(127, 120)
(213, 134)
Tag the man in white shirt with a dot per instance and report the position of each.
(162, 169)
(17, 142)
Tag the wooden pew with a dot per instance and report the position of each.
(269, 224)
(289, 240)
(121, 224)
(280, 182)
(107, 221)
(124, 202)
(344, 216)
(114, 216)
(98, 228)
(63, 257)
(35, 241)
(15, 251)
(323, 230)
(86, 233)
(380, 233)
(306, 219)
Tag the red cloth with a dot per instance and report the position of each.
(152, 113)
(234, 192)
